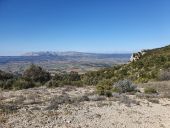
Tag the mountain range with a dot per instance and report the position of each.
(62, 61)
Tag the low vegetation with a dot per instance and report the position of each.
(23, 84)
(149, 90)
(124, 86)
(104, 87)
(155, 89)
(164, 75)
(119, 84)
(107, 87)
(35, 76)
(154, 65)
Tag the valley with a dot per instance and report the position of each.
(59, 62)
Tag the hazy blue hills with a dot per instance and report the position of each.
(62, 56)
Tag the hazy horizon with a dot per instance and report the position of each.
(107, 52)
(21, 53)
(93, 26)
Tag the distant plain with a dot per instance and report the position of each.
(62, 62)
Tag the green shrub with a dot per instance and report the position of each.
(115, 90)
(142, 80)
(58, 77)
(91, 78)
(103, 87)
(2, 83)
(52, 84)
(108, 93)
(124, 86)
(23, 84)
(77, 83)
(166, 65)
(5, 76)
(36, 74)
(7, 84)
(150, 90)
(74, 76)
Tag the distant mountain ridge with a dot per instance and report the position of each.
(52, 53)
(69, 53)
(72, 55)
(63, 56)
(62, 61)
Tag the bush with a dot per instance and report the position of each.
(142, 80)
(150, 90)
(52, 84)
(77, 83)
(23, 84)
(7, 84)
(108, 93)
(74, 76)
(2, 83)
(5, 76)
(104, 87)
(93, 77)
(37, 74)
(166, 65)
(124, 86)
(58, 77)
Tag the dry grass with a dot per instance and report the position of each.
(124, 99)
(65, 99)
(163, 88)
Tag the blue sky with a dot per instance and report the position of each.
(83, 25)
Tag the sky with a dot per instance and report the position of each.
(105, 26)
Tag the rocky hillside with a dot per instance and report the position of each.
(149, 65)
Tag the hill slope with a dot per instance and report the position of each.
(146, 68)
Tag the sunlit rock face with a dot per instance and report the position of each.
(136, 56)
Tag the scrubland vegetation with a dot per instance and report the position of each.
(138, 86)
(154, 65)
